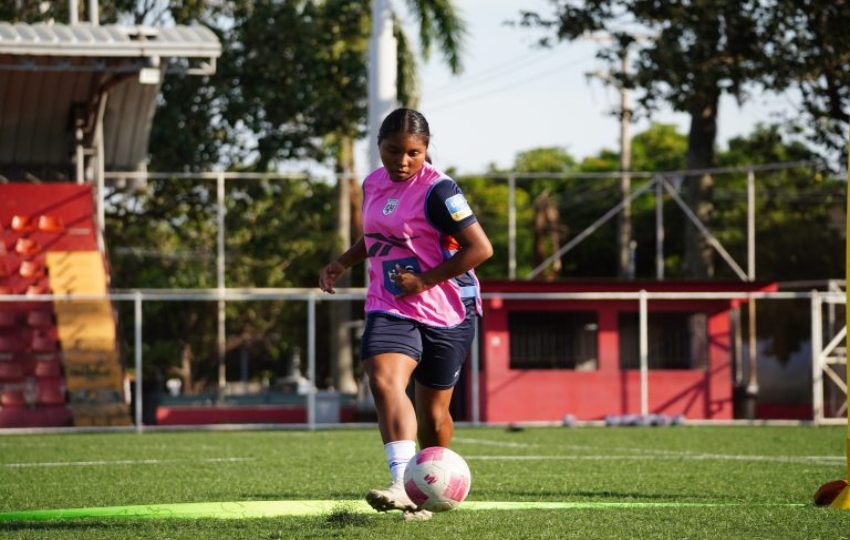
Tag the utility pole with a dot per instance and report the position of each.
(625, 243)
(626, 268)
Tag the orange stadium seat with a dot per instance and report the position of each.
(31, 270)
(13, 398)
(23, 224)
(27, 247)
(48, 368)
(50, 394)
(49, 223)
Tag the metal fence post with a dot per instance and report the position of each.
(644, 355)
(137, 325)
(311, 360)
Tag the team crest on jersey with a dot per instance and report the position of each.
(390, 207)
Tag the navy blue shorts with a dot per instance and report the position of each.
(440, 352)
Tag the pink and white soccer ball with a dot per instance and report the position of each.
(437, 479)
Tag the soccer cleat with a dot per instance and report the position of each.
(391, 498)
(416, 515)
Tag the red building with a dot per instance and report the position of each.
(578, 354)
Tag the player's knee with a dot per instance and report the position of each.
(385, 384)
(436, 420)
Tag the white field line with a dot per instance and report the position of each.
(486, 442)
(648, 454)
(829, 461)
(121, 462)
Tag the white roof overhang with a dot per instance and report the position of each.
(53, 75)
(107, 41)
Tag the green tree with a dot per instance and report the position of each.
(660, 148)
(539, 225)
(291, 86)
(798, 212)
(297, 73)
(489, 197)
(165, 238)
(812, 57)
(548, 196)
(688, 54)
(800, 226)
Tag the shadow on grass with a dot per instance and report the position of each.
(337, 520)
(69, 525)
(513, 495)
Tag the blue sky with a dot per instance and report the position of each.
(514, 97)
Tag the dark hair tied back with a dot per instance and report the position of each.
(404, 121)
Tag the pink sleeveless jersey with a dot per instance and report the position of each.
(397, 232)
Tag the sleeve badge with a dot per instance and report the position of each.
(458, 207)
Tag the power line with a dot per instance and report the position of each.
(510, 67)
(464, 89)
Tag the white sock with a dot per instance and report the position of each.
(398, 454)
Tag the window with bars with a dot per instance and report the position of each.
(553, 340)
(675, 340)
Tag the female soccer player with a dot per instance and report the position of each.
(422, 241)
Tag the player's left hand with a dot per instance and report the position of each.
(408, 281)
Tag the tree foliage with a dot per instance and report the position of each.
(291, 86)
(799, 212)
(812, 57)
(690, 53)
(166, 238)
(296, 74)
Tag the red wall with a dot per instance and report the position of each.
(276, 414)
(513, 395)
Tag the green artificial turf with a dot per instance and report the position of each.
(588, 482)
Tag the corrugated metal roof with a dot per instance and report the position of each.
(45, 39)
(52, 73)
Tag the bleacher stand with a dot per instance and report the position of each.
(58, 358)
